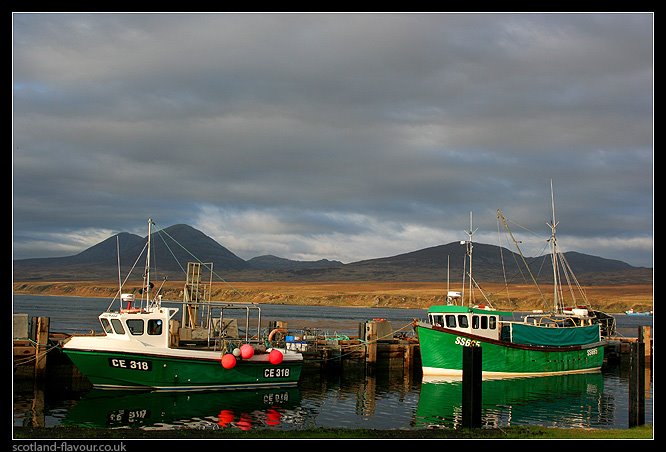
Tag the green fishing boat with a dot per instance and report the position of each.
(145, 345)
(564, 340)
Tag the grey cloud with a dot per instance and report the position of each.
(405, 118)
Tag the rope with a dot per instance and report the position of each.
(34, 357)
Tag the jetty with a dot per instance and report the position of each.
(37, 352)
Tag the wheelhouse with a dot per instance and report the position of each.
(479, 321)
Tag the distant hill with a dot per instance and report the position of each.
(270, 262)
(176, 245)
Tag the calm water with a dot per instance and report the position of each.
(386, 399)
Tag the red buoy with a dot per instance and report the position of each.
(228, 361)
(275, 356)
(247, 351)
(245, 422)
(273, 417)
(225, 418)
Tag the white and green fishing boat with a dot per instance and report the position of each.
(562, 341)
(145, 344)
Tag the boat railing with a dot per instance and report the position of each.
(217, 323)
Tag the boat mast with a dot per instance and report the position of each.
(470, 233)
(147, 282)
(553, 247)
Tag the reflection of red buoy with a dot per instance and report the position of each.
(228, 361)
(273, 417)
(245, 422)
(247, 351)
(275, 356)
(225, 418)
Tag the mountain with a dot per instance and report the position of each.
(171, 249)
(270, 262)
(176, 245)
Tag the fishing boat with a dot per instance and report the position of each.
(144, 345)
(632, 312)
(558, 341)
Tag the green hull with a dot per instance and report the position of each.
(442, 354)
(136, 371)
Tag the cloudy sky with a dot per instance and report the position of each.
(339, 136)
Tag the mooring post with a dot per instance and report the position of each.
(637, 382)
(42, 339)
(371, 345)
(471, 387)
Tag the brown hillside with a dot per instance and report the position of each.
(615, 298)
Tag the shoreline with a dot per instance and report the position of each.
(408, 295)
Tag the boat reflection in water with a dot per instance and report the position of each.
(243, 409)
(568, 401)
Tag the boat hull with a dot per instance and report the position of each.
(118, 370)
(442, 355)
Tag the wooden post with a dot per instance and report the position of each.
(644, 336)
(42, 339)
(371, 345)
(471, 387)
(408, 356)
(637, 383)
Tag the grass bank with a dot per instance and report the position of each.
(77, 433)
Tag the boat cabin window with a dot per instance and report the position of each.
(462, 321)
(155, 327)
(484, 322)
(450, 321)
(436, 320)
(135, 326)
(107, 326)
(117, 326)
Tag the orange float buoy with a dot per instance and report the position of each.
(225, 418)
(273, 417)
(247, 351)
(228, 361)
(275, 356)
(245, 422)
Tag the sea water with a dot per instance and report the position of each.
(348, 398)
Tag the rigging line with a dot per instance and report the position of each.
(202, 263)
(499, 241)
(482, 292)
(501, 216)
(566, 273)
(574, 279)
(128, 275)
(159, 233)
(526, 229)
